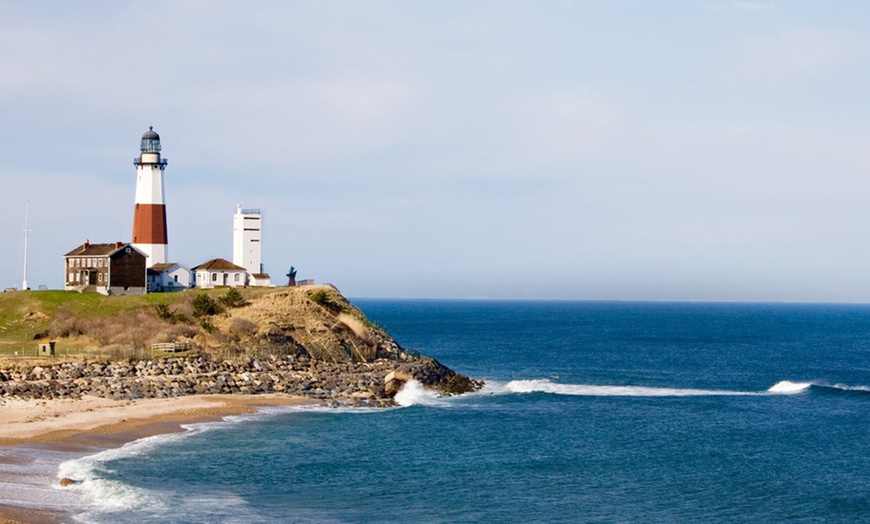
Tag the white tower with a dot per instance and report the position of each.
(247, 233)
(149, 219)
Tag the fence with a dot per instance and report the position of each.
(172, 347)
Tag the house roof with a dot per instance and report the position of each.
(219, 264)
(96, 250)
(163, 266)
(261, 275)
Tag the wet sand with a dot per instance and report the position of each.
(94, 423)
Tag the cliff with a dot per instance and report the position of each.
(307, 341)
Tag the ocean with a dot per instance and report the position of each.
(593, 412)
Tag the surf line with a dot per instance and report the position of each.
(784, 387)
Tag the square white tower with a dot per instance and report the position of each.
(247, 236)
(247, 242)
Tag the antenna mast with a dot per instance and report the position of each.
(26, 231)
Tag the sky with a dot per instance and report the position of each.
(625, 150)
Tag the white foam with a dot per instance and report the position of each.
(413, 394)
(587, 390)
(100, 493)
(844, 387)
(787, 387)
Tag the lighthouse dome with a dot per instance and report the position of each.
(150, 142)
(150, 134)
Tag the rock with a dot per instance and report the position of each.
(66, 481)
(394, 381)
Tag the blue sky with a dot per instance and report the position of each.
(685, 150)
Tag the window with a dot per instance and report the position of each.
(78, 262)
(237, 277)
(127, 250)
(100, 277)
(72, 262)
(175, 277)
(214, 277)
(100, 263)
(72, 277)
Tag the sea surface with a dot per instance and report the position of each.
(593, 412)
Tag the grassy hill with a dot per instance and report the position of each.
(24, 314)
(315, 320)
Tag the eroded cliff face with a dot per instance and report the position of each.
(316, 321)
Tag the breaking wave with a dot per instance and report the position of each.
(414, 394)
(588, 390)
(785, 387)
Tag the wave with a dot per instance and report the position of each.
(588, 390)
(414, 394)
(785, 387)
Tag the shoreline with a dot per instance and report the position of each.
(91, 424)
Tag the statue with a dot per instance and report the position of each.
(291, 275)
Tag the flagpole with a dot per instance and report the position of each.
(26, 231)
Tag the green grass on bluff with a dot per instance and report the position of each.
(23, 314)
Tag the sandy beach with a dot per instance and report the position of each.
(91, 422)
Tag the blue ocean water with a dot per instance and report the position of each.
(593, 412)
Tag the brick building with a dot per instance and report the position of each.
(110, 269)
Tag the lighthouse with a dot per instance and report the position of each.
(149, 218)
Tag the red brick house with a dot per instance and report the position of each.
(110, 269)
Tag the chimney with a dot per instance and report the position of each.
(118, 245)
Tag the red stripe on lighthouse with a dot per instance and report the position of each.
(149, 224)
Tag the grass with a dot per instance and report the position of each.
(24, 314)
(317, 320)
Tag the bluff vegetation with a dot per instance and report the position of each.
(312, 324)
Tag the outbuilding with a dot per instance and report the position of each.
(218, 272)
(168, 277)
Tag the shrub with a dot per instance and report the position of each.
(164, 311)
(204, 305)
(233, 298)
(242, 327)
(207, 325)
(320, 296)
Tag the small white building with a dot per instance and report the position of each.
(168, 277)
(259, 279)
(218, 272)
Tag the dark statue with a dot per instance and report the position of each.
(291, 275)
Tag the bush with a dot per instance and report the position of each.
(204, 305)
(163, 311)
(242, 327)
(319, 296)
(233, 298)
(207, 325)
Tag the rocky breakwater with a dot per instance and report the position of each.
(355, 383)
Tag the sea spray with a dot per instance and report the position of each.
(413, 393)
(787, 387)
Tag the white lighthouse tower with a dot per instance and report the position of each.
(149, 218)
